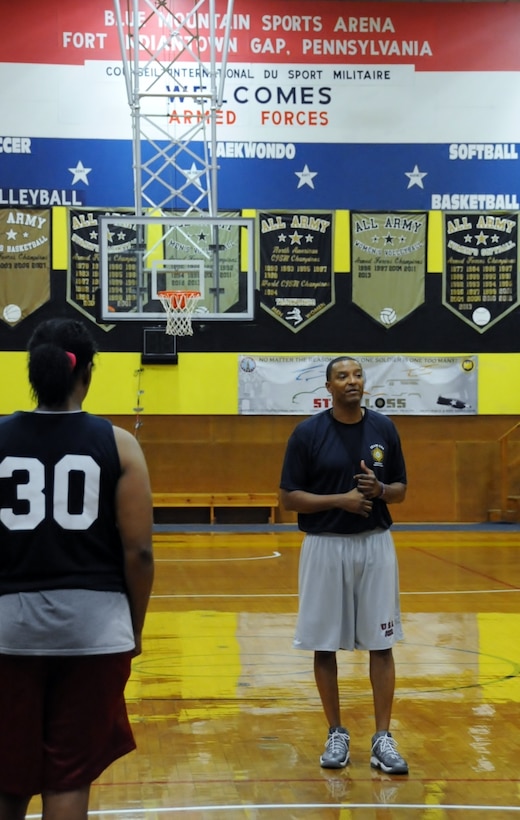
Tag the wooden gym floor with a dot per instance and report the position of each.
(227, 718)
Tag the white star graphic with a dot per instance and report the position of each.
(306, 176)
(415, 177)
(80, 173)
(193, 175)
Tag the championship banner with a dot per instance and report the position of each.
(296, 282)
(83, 278)
(394, 385)
(25, 262)
(480, 283)
(388, 264)
(196, 244)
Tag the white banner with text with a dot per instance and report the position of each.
(394, 385)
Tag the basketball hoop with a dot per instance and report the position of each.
(179, 306)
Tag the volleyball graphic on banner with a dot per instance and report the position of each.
(388, 316)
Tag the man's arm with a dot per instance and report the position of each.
(392, 493)
(301, 501)
(134, 513)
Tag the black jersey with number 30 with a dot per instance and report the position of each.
(58, 478)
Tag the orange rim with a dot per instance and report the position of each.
(179, 298)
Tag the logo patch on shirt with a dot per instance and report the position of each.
(378, 453)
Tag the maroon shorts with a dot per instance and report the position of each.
(63, 720)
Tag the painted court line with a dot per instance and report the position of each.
(295, 594)
(464, 591)
(143, 812)
(274, 554)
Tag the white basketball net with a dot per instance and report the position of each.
(179, 306)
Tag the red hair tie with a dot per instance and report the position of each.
(72, 359)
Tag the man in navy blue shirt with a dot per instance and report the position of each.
(342, 468)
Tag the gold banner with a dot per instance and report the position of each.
(25, 262)
(388, 264)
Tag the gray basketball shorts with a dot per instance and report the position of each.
(348, 590)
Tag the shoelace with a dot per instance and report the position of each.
(337, 742)
(387, 745)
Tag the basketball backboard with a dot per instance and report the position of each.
(140, 256)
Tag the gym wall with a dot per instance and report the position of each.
(380, 107)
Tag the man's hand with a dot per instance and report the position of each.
(368, 483)
(357, 503)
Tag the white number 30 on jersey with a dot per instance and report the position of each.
(33, 491)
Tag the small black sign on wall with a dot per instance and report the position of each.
(158, 347)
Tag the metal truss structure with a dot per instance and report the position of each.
(174, 155)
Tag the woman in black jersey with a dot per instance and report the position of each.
(76, 571)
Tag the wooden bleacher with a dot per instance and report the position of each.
(214, 501)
